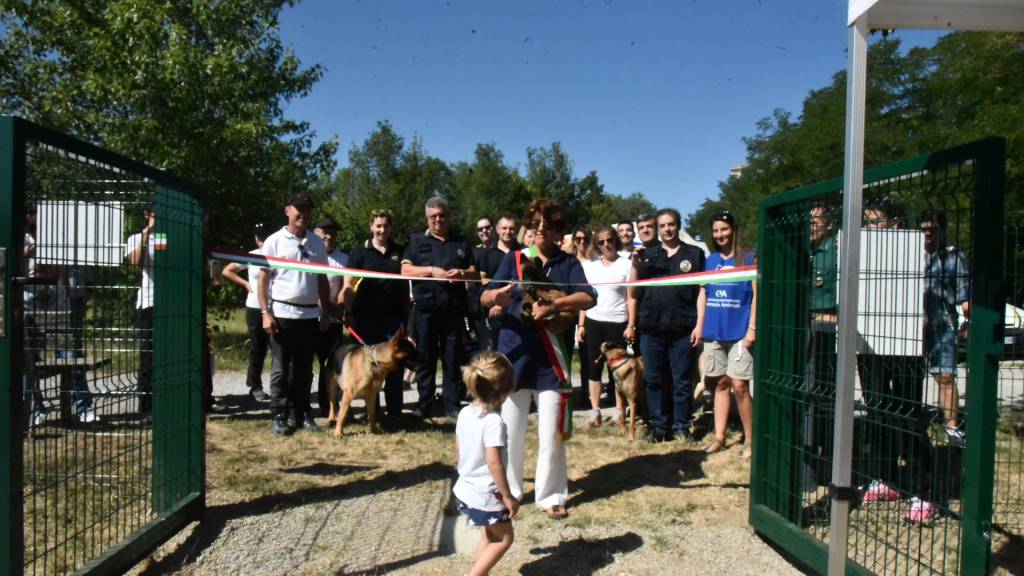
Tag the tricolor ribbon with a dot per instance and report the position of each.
(730, 275)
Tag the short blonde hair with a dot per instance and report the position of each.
(489, 378)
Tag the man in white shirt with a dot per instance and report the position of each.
(291, 314)
(140, 252)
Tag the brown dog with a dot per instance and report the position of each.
(628, 372)
(359, 371)
(539, 290)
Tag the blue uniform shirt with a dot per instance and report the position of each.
(727, 313)
(518, 340)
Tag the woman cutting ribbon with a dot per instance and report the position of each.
(539, 357)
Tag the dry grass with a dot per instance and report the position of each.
(634, 500)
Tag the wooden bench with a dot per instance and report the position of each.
(66, 370)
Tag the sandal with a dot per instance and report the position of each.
(556, 512)
(595, 419)
(715, 446)
(746, 453)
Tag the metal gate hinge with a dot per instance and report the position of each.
(844, 493)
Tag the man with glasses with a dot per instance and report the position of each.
(488, 257)
(440, 306)
(292, 316)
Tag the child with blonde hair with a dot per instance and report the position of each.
(482, 489)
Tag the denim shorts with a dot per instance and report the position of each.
(483, 517)
(941, 346)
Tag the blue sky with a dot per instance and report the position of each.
(654, 96)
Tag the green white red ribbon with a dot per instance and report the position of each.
(730, 275)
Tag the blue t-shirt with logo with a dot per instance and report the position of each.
(727, 313)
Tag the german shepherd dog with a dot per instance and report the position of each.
(545, 293)
(359, 371)
(628, 372)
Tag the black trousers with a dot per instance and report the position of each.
(328, 339)
(259, 342)
(898, 427)
(819, 415)
(144, 381)
(440, 334)
(291, 369)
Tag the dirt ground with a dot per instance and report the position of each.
(366, 504)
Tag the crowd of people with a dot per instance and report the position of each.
(474, 304)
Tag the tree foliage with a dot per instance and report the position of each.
(386, 173)
(196, 88)
(965, 87)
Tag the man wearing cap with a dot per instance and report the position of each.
(441, 306)
(327, 229)
(258, 338)
(291, 314)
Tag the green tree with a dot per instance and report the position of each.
(965, 87)
(384, 174)
(487, 187)
(196, 88)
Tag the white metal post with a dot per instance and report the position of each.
(853, 183)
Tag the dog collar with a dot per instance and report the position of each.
(613, 364)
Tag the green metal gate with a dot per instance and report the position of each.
(937, 446)
(101, 355)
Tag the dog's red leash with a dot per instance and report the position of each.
(352, 331)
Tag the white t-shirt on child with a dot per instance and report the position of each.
(477, 431)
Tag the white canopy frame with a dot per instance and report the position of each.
(864, 15)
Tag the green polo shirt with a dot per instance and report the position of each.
(824, 270)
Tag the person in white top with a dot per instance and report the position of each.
(290, 304)
(259, 340)
(327, 229)
(140, 252)
(482, 490)
(608, 319)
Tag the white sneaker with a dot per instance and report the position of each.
(38, 419)
(88, 416)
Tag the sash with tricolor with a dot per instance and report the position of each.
(558, 355)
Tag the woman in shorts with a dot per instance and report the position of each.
(728, 332)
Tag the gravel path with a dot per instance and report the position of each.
(412, 530)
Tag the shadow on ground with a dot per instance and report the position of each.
(580, 556)
(217, 517)
(1009, 556)
(666, 470)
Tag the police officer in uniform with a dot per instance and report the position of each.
(488, 257)
(824, 260)
(440, 306)
(665, 318)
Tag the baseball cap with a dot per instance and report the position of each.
(300, 200)
(326, 223)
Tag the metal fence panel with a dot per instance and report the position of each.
(106, 385)
(927, 386)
